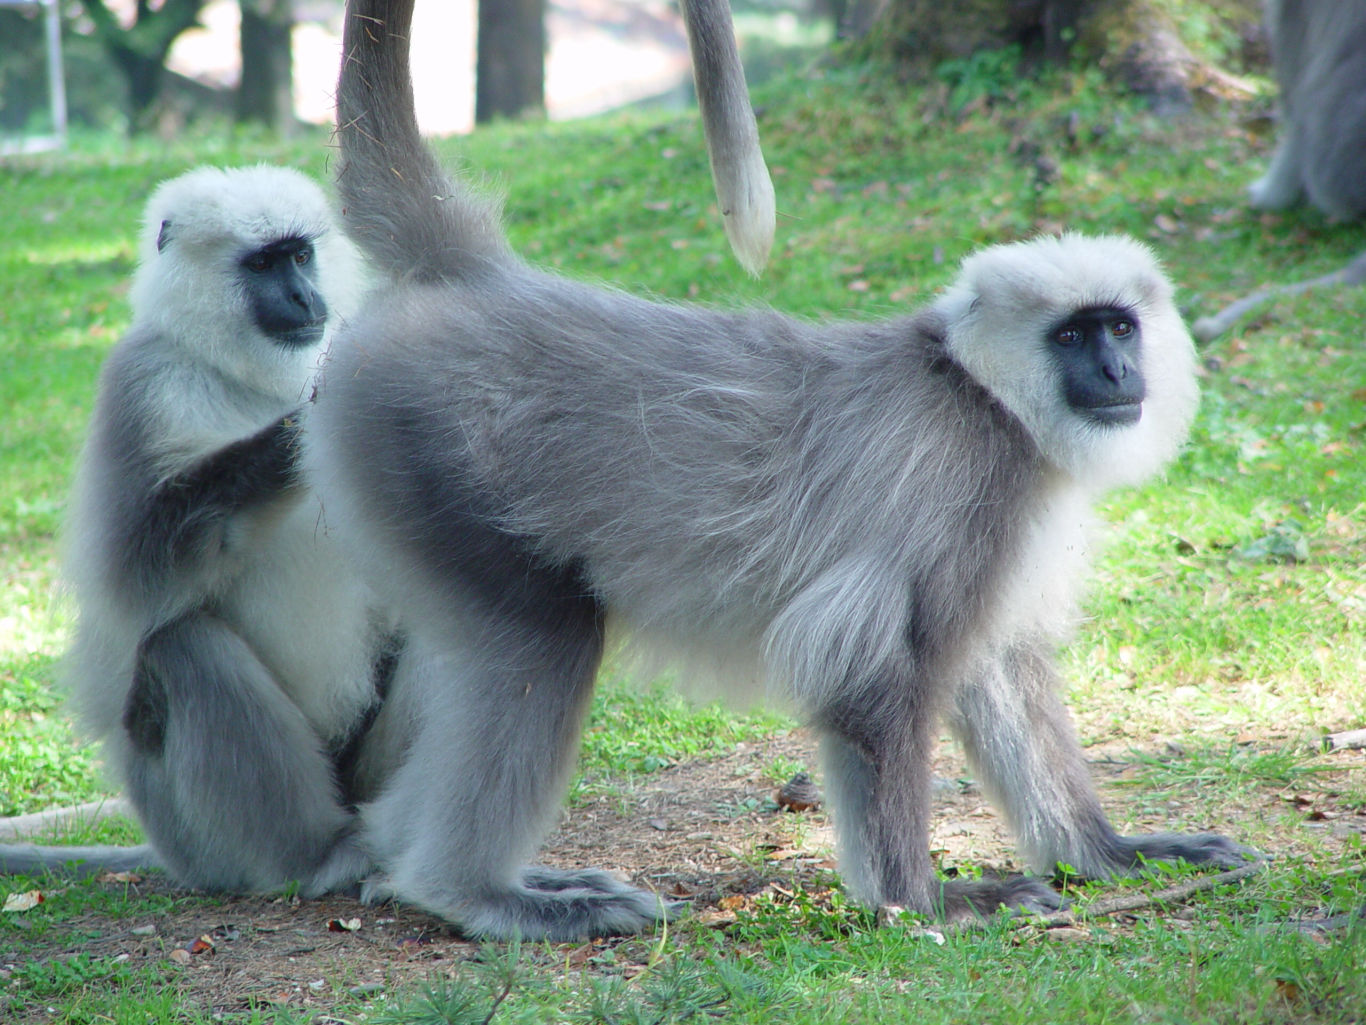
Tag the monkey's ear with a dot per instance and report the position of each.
(164, 235)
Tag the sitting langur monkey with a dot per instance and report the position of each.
(225, 655)
(884, 520)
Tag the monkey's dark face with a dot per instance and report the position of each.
(1097, 353)
(280, 280)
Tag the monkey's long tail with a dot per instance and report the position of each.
(744, 190)
(404, 211)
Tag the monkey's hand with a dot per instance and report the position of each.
(1134, 853)
(186, 518)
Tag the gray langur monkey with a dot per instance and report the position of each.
(883, 522)
(223, 652)
(1318, 48)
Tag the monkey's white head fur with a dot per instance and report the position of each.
(197, 227)
(1000, 311)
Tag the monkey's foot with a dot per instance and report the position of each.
(560, 906)
(1131, 853)
(543, 904)
(1273, 192)
(344, 868)
(965, 900)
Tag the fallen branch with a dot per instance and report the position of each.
(1136, 901)
(1349, 740)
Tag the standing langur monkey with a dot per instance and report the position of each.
(883, 521)
(223, 652)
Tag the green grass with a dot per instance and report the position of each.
(1217, 656)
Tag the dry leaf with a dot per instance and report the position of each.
(203, 945)
(119, 877)
(1289, 991)
(26, 901)
(716, 919)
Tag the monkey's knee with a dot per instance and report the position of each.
(147, 707)
(166, 658)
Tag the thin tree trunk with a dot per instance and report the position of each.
(266, 92)
(510, 67)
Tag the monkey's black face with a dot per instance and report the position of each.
(1097, 353)
(280, 281)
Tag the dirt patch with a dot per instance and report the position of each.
(708, 832)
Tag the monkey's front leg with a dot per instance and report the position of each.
(1020, 741)
(1283, 184)
(876, 756)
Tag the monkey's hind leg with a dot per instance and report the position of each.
(497, 730)
(229, 779)
(1020, 741)
(877, 769)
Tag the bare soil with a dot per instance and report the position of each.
(707, 832)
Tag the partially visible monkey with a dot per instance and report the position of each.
(886, 521)
(1319, 51)
(224, 654)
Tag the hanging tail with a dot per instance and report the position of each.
(744, 190)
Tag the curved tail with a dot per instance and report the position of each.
(405, 212)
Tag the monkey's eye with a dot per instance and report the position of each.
(257, 263)
(303, 256)
(1069, 336)
(1122, 328)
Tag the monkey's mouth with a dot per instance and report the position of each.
(303, 335)
(1121, 414)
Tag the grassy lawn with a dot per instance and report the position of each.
(1226, 631)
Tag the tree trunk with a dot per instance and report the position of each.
(266, 93)
(1134, 39)
(139, 51)
(510, 68)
